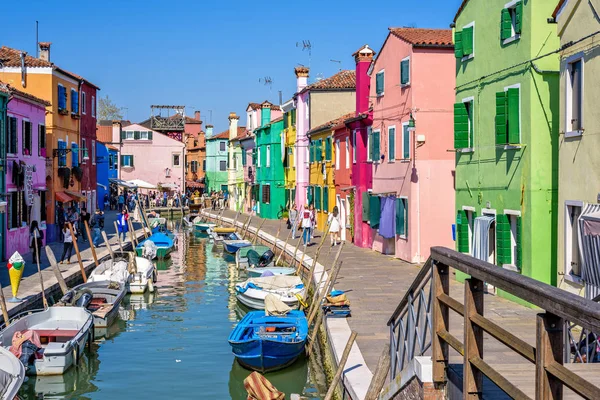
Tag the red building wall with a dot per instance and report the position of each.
(87, 129)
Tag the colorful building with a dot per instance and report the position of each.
(87, 143)
(4, 94)
(316, 104)
(217, 178)
(236, 182)
(269, 165)
(107, 170)
(343, 176)
(26, 168)
(61, 88)
(412, 87)
(506, 135)
(195, 153)
(579, 181)
(248, 146)
(150, 156)
(289, 147)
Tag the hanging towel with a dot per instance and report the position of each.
(374, 211)
(481, 237)
(365, 206)
(387, 220)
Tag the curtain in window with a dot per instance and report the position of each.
(481, 237)
(589, 248)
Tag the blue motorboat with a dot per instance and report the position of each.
(163, 242)
(268, 343)
(233, 245)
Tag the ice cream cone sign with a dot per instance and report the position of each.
(16, 265)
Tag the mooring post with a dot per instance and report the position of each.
(37, 259)
(61, 281)
(341, 366)
(89, 235)
(78, 253)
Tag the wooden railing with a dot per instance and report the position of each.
(429, 331)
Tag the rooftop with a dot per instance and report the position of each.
(342, 80)
(225, 134)
(331, 124)
(424, 37)
(6, 88)
(258, 106)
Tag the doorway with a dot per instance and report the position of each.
(341, 203)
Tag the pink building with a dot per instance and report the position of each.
(26, 169)
(413, 76)
(150, 156)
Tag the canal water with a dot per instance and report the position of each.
(173, 344)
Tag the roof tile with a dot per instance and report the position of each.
(333, 123)
(424, 37)
(342, 80)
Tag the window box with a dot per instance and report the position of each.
(75, 116)
(63, 111)
(77, 173)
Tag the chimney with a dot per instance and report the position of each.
(45, 50)
(197, 115)
(363, 57)
(209, 131)
(301, 77)
(233, 125)
(265, 113)
(116, 131)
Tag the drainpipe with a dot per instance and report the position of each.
(23, 83)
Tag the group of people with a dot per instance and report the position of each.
(76, 229)
(306, 219)
(219, 199)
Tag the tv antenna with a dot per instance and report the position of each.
(337, 61)
(306, 45)
(267, 81)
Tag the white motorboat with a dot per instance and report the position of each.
(63, 334)
(12, 374)
(138, 275)
(253, 291)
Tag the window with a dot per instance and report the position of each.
(74, 101)
(337, 154)
(402, 217)
(93, 152)
(266, 194)
(136, 135)
(508, 116)
(111, 161)
(222, 165)
(294, 117)
(325, 199)
(464, 230)
(11, 138)
(62, 153)
(62, 98)
(511, 21)
(127, 161)
(93, 107)
(14, 210)
(317, 190)
(311, 152)
(405, 71)
(572, 256)
(42, 140)
(391, 144)
(463, 124)
(244, 158)
(83, 109)
(43, 205)
(369, 145)
(74, 155)
(574, 100)
(24, 210)
(508, 238)
(328, 149)
(376, 155)
(194, 166)
(464, 42)
(405, 141)
(354, 146)
(129, 135)
(268, 161)
(379, 82)
(258, 158)
(144, 135)
(177, 160)
(27, 141)
(84, 149)
(347, 153)
(222, 146)
(204, 165)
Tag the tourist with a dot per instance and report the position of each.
(106, 201)
(122, 226)
(313, 212)
(121, 202)
(73, 218)
(293, 220)
(61, 217)
(36, 237)
(225, 199)
(165, 196)
(85, 217)
(67, 244)
(307, 224)
(333, 221)
(95, 222)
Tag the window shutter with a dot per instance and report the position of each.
(505, 25)
(406, 143)
(462, 232)
(519, 260)
(392, 144)
(518, 17)
(318, 197)
(376, 153)
(61, 98)
(365, 206)
(513, 116)
(320, 150)
(123, 135)
(374, 211)
(131, 160)
(285, 120)
(149, 135)
(328, 149)
(501, 118)
(136, 135)
(379, 83)
(400, 216)
(461, 126)
(458, 45)
(503, 240)
(467, 40)
(404, 72)
(122, 160)
(294, 117)
(308, 195)
(325, 198)
(311, 156)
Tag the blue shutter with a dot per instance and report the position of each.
(62, 100)
(62, 157)
(74, 155)
(74, 101)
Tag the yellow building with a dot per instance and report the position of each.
(321, 190)
(45, 80)
(289, 142)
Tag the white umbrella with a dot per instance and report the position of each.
(142, 184)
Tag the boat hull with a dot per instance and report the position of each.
(256, 272)
(255, 299)
(161, 252)
(203, 227)
(256, 356)
(232, 246)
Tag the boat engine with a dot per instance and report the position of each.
(265, 259)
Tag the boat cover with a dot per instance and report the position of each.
(259, 388)
(275, 307)
(112, 271)
(274, 282)
(150, 249)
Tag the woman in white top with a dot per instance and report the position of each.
(334, 225)
(67, 244)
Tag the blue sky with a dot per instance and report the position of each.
(208, 56)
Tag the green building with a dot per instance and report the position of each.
(216, 161)
(506, 134)
(269, 166)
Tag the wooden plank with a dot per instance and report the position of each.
(505, 337)
(340, 369)
(450, 339)
(92, 247)
(498, 379)
(549, 345)
(440, 319)
(473, 339)
(78, 253)
(453, 304)
(574, 381)
(381, 372)
(61, 281)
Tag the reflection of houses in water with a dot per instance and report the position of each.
(139, 302)
(195, 257)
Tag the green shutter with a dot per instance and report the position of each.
(311, 152)
(462, 231)
(285, 120)
(461, 126)
(309, 195)
(379, 79)
(123, 135)
(458, 45)
(501, 117)
(318, 197)
(471, 126)
(406, 143)
(325, 198)
(328, 149)
(513, 116)
(136, 135)
(376, 152)
(467, 40)
(319, 149)
(518, 17)
(365, 206)
(503, 240)
(374, 211)
(149, 135)
(505, 25)
(294, 117)
(404, 72)
(519, 260)
(391, 144)
(370, 142)
(400, 218)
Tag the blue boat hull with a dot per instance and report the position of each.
(164, 243)
(265, 356)
(234, 247)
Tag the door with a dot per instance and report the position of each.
(341, 203)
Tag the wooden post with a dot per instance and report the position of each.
(236, 218)
(108, 246)
(144, 220)
(118, 236)
(278, 230)
(134, 241)
(78, 253)
(247, 227)
(341, 366)
(330, 282)
(473, 339)
(381, 372)
(318, 295)
(3, 306)
(61, 281)
(37, 259)
(549, 350)
(284, 246)
(313, 266)
(440, 317)
(89, 235)
(257, 231)
(315, 332)
(295, 253)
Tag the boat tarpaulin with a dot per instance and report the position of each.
(589, 248)
(63, 197)
(275, 282)
(141, 184)
(259, 388)
(274, 306)
(481, 237)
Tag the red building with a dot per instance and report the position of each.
(343, 175)
(87, 145)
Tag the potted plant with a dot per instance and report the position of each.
(63, 111)
(77, 173)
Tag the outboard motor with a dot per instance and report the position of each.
(265, 259)
(253, 258)
(84, 300)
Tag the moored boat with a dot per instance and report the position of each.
(253, 291)
(270, 271)
(137, 276)
(232, 246)
(241, 257)
(163, 242)
(12, 374)
(203, 226)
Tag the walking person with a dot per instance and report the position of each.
(85, 217)
(73, 218)
(36, 237)
(67, 244)
(313, 213)
(122, 226)
(95, 226)
(293, 220)
(121, 201)
(307, 224)
(334, 225)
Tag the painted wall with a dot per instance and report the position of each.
(87, 127)
(289, 134)
(215, 178)
(322, 175)
(248, 145)
(106, 168)
(3, 107)
(343, 178)
(327, 105)
(272, 175)
(302, 127)
(521, 178)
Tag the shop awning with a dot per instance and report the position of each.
(141, 184)
(192, 184)
(63, 197)
(120, 182)
(168, 185)
(76, 196)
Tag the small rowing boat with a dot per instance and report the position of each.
(253, 291)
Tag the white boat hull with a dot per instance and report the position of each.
(135, 283)
(255, 298)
